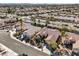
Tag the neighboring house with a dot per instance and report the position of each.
(72, 36)
(76, 45)
(25, 37)
(60, 52)
(71, 39)
(2, 15)
(32, 31)
(26, 26)
(50, 35)
(75, 50)
(29, 30)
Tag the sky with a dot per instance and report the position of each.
(40, 1)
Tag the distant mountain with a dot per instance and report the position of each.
(35, 5)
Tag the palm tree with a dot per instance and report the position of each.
(17, 19)
(21, 24)
(51, 18)
(63, 31)
(38, 21)
(47, 21)
(34, 20)
(8, 10)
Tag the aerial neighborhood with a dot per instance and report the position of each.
(39, 30)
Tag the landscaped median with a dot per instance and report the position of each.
(45, 50)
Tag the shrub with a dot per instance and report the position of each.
(53, 45)
(17, 34)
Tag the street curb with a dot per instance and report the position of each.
(11, 35)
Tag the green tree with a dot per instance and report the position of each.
(21, 23)
(63, 30)
(9, 10)
(17, 19)
(62, 33)
(51, 18)
(47, 22)
(38, 21)
(53, 45)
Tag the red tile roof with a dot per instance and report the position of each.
(72, 36)
(53, 34)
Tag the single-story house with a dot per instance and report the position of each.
(29, 30)
(71, 40)
(50, 34)
(72, 36)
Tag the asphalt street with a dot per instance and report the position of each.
(18, 47)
